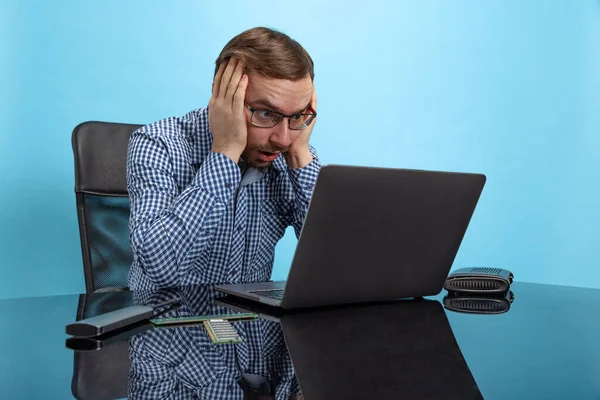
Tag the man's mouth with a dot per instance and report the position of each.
(267, 155)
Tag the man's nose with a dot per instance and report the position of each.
(281, 136)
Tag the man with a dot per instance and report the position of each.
(212, 192)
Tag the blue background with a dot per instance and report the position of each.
(507, 88)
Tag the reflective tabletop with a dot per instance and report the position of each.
(540, 344)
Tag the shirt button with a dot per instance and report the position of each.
(228, 185)
(309, 187)
(239, 228)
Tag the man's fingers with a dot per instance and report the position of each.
(217, 80)
(235, 80)
(227, 76)
(240, 93)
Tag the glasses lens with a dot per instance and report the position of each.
(265, 118)
(299, 121)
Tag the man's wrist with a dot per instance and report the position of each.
(232, 153)
(299, 158)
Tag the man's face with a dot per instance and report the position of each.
(280, 95)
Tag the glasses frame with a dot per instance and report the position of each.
(282, 116)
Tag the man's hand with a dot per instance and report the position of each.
(299, 154)
(226, 116)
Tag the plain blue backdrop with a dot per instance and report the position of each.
(508, 88)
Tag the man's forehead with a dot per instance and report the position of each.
(279, 94)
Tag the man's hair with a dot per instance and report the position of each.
(269, 53)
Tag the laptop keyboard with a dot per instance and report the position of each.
(276, 294)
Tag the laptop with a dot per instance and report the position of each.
(373, 234)
(402, 349)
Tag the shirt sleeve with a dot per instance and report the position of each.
(170, 227)
(303, 181)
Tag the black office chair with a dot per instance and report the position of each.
(100, 151)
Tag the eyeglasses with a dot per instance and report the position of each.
(264, 118)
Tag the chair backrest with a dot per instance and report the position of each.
(100, 152)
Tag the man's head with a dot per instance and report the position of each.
(280, 78)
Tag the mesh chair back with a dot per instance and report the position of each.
(100, 152)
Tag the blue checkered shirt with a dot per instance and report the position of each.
(195, 218)
(183, 363)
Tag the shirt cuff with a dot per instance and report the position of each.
(305, 178)
(219, 176)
